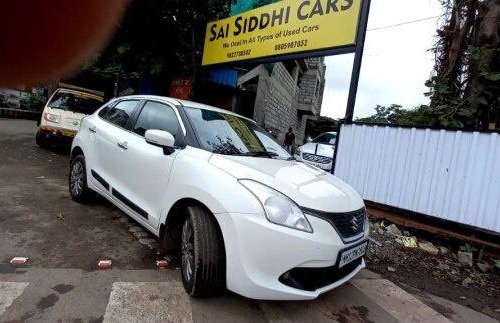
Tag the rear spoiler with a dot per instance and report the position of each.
(78, 88)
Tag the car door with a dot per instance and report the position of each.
(145, 167)
(107, 130)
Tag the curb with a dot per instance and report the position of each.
(19, 114)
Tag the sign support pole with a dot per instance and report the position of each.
(356, 68)
(358, 57)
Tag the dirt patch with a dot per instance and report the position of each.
(63, 289)
(46, 302)
(418, 271)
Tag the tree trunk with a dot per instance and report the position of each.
(455, 37)
(484, 96)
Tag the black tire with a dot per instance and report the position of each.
(207, 263)
(42, 142)
(77, 181)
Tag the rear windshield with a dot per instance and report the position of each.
(76, 102)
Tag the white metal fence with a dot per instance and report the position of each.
(451, 175)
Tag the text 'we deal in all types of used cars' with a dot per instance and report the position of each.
(217, 188)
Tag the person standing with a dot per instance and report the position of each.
(289, 140)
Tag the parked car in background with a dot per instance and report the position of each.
(63, 113)
(218, 190)
(319, 152)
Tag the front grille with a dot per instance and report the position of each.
(316, 158)
(311, 279)
(348, 225)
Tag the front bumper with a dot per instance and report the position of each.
(261, 257)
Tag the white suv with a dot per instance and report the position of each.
(217, 189)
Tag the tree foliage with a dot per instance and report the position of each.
(158, 38)
(396, 115)
(465, 88)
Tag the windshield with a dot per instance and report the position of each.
(76, 102)
(227, 134)
(326, 138)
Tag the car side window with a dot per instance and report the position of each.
(121, 113)
(157, 116)
(103, 112)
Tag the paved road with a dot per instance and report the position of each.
(64, 241)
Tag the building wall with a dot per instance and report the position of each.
(287, 97)
(276, 108)
(312, 84)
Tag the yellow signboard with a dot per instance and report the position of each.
(283, 28)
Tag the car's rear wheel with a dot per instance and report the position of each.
(203, 257)
(41, 141)
(78, 188)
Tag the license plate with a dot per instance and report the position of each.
(352, 254)
(68, 133)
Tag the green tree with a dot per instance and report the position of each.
(396, 115)
(158, 38)
(465, 88)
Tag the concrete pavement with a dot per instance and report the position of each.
(74, 295)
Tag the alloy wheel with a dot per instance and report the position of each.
(76, 178)
(187, 250)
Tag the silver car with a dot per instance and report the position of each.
(319, 152)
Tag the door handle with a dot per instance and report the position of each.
(92, 129)
(123, 145)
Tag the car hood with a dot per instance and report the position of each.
(318, 149)
(308, 186)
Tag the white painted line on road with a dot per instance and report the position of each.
(397, 302)
(148, 302)
(9, 292)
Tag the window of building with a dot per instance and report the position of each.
(290, 67)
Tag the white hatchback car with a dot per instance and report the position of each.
(217, 189)
(319, 152)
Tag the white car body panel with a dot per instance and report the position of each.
(258, 252)
(307, 186)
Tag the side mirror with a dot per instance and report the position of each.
(309, 140)
(161, 138)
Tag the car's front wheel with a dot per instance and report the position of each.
(203, 256)
(78, 188)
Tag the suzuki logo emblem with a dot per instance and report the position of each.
(355, 224)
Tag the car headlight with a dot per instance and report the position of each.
(279, 209)
(51, 117)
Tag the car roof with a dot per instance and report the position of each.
(80, 93)
(185, 103)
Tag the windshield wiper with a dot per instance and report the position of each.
(269, 154)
